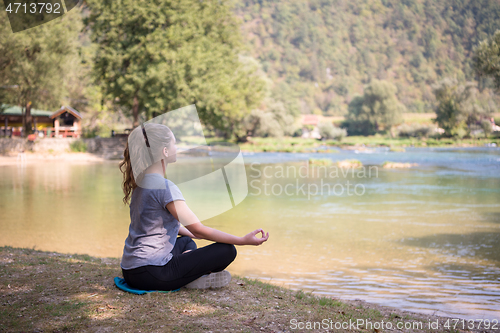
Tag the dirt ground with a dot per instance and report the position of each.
(53, 292)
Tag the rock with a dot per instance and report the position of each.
(349, 164)
(398, 165)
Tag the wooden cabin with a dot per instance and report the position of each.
(65, 122)
(11, 120)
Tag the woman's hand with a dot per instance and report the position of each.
(252, 239)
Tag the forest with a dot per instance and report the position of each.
(252, 67)
(324, 52)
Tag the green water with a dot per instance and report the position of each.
(424, 239)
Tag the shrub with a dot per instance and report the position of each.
(90, 133)
(377, 110)
(486, 126)
(328, 131)
(362, 127)
(310, 128)
(460, 105)
(415, 131)
(297, 132)
(78, 146)
(459, 132)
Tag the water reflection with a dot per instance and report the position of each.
(473, 245)
(63, 207)
(493, 217)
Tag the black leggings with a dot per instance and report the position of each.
(183, 268)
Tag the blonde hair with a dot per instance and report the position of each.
(144, 147)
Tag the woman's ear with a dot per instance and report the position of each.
(165, 152)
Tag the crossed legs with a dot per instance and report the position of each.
(184, 267)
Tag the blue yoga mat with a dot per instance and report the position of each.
(120, 283)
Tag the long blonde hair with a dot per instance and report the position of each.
(156, 137)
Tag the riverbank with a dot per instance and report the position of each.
(112, 148)
(300, 145)
(47, 291)
(29, 158)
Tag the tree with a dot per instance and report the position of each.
(33, 63)
(157, 56)
(271, 120)
(328, 131)
(459, 106)
(486, 58)
(378, 109)
(310, 45)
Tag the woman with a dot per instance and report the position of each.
(154, 258)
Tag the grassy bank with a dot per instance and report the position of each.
(52, 292)
(299, 145)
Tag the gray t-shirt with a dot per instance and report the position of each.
(153, 230)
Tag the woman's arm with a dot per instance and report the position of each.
(182, 213)
(204, 232)
(184, 232)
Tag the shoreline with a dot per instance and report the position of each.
(111, 149)
(13, 158)
(49, 291)
(298, 145)
(73, 157)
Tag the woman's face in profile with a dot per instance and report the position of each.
(171, 151)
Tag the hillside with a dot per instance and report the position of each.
(320, 53)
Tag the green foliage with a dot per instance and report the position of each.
(300, 294)
(272, 120)
(158, 56)
(78, 146)
(328, 131)
(378, 109)
(35, 64)
(459, 106)
(486, 58)
(327, 301)
(415, 130)
(263, 124)
(449, 116)
(285, 144)
(325, 51)
(486, 126)
(459, 132)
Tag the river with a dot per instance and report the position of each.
(425, 239)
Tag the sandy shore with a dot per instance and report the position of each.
(30, 158)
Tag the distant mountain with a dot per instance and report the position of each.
(321, 53)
